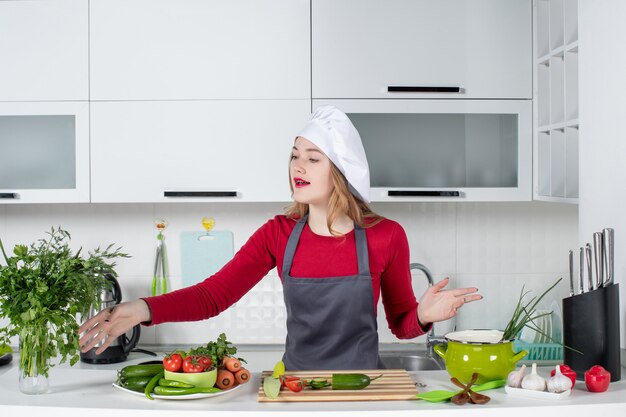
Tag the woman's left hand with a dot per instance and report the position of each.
(438, 304)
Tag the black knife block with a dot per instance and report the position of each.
(591, 326)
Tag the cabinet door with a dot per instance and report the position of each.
(199, 49)
(45, 152)
(193, 150)
(44, 49)
(445, 150)
(362, 47)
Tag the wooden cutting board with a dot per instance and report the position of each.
(395, 384)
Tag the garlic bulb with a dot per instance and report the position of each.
(534, 381)
(514, 380)
(559, 382)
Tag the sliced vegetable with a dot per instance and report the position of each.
(153, 383)
(225, 379)
(271, 387)
(279, 369)
(242, 376)
(161, 390)
(295, 385)
(318, 383)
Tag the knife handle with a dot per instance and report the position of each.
(581, 272)
(598, 247)
(589, 267)
(571, 273)
(609, 247)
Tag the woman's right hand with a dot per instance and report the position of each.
(107, 325)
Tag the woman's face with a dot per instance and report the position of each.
(310, 175)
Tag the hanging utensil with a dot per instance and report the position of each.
(609, 245)
(598, 248)
(159, 278)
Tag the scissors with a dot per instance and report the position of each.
(160, 263)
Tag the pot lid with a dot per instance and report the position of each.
(476, 336)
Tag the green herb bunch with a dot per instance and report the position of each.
(43, 289)
(216, 350)
(525, 314)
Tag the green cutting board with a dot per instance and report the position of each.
(202, 255)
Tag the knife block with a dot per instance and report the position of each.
(591, 326)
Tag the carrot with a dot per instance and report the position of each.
(225, 379)
(242, 376)
(231, 363)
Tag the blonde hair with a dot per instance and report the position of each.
(341, 201)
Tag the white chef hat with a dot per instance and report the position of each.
(332, 131)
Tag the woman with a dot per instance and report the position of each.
(334, 255)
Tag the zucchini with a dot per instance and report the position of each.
(132, 371)
(351, 381)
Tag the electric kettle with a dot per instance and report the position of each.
(120, 348)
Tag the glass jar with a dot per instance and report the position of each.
(34, 361)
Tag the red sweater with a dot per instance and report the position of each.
(316, 256)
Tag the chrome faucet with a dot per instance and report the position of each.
(431, 339)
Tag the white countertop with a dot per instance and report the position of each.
(86, 390)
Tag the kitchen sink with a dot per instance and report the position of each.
(409, 362)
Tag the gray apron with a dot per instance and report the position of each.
(331, 322)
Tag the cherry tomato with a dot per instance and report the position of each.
(568, 372)
(597, 379)
(205, 361)
(295, 385)
(192, 365)
(172, 362)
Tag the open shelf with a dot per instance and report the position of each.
(556, 99)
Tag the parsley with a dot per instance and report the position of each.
(216, 350)
(43, 288)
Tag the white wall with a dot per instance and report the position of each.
(602, 145)
(497, 247)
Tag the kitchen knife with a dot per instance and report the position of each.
(589, 267)
(581, 272)
(609, 237)
(598, 248)
(571, 273)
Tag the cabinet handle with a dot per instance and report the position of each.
(408, 193)
(200, 193)
(9, 195)
(421, 89)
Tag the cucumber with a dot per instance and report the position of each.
(137, 383)
(318, 383)
(351, 381)
(132, 371)
(161, 390)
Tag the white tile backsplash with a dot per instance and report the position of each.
(497, 247)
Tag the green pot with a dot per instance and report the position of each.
(478, 351)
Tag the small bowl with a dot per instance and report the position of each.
(200, 379)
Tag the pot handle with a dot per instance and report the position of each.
(519, 355)
(441, 350)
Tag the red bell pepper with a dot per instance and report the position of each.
(597, 379)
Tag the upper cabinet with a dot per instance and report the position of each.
(556, 133)
(193, 150)
(422, 49)
(199, 49)
(45, 152)
(44, 50)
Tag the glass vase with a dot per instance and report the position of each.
(34, 362)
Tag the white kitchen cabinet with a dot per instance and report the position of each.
(482, 48)
(45, 152)
(445, 150)
(556, 135)
(199, 49)
(190, 151)
(44, 50)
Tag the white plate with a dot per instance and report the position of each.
(541, 395)
(178, 397)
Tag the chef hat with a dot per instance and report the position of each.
(333, 132)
